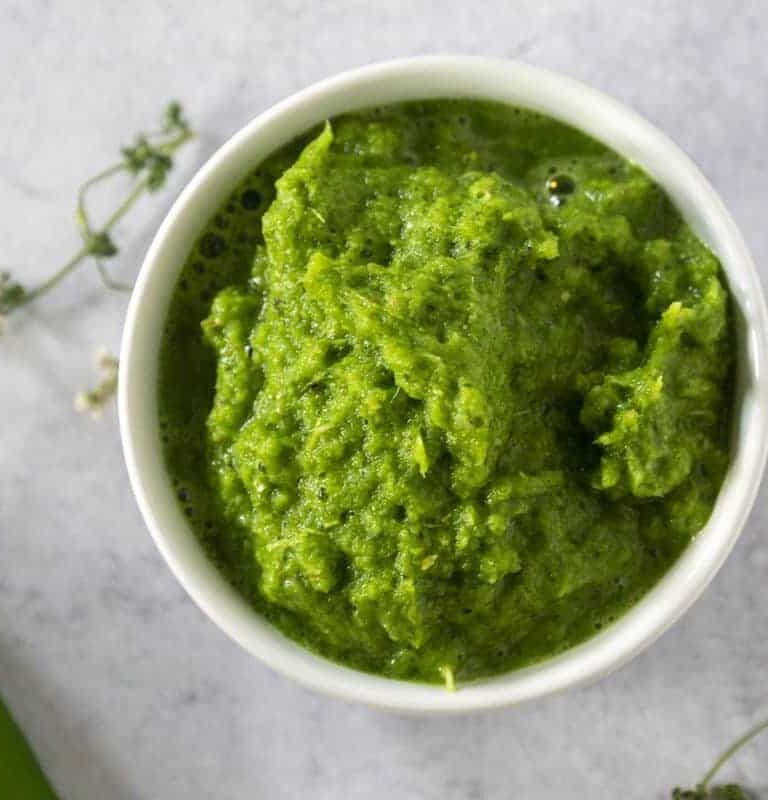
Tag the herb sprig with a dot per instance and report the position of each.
(725, 791)
(148, 161)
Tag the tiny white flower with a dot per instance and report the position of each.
(95, 400)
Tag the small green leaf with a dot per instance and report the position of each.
(11, 293)
(136, 157)
(174, 118)
(144, 156)
(723, 791)
(100, 244)
(159, 167)
(728, 791)
(20, 775)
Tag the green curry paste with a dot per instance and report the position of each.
(445, 388)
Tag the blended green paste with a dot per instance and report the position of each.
(445, 388)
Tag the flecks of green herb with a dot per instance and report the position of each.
(148, 161)
(448, 677)
(725, 791)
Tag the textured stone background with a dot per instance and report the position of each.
(125, 689)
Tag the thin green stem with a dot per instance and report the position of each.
(174, 144)
(732, 750)
(58, 276)
(84, 251)
(97, 178)
(167, 148)
(81, 213)
(109, 281)
(148, 161)
(124, 207)
(82, 216)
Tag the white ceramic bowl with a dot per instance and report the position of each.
(390, 82)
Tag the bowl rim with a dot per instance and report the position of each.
(423, 77)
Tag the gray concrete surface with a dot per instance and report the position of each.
(125, 689)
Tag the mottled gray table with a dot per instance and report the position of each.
(124, 688)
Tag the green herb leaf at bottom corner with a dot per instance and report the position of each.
(20, 775)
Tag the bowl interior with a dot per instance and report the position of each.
(411, 79)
